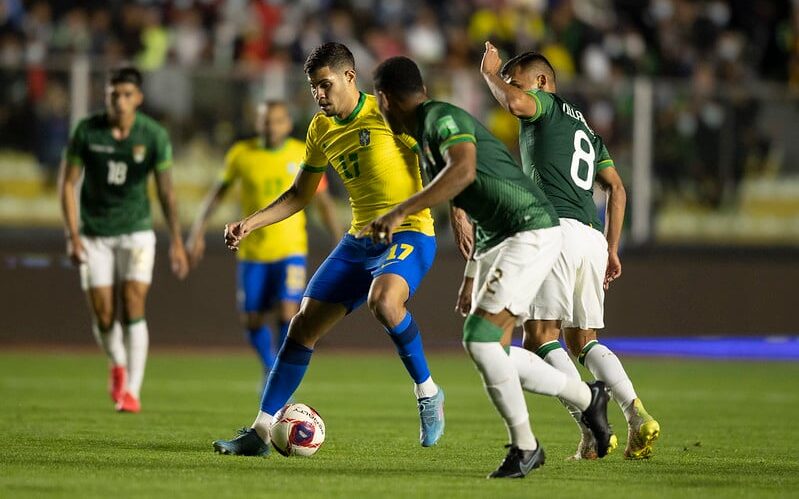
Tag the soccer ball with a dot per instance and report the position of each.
(297, 430)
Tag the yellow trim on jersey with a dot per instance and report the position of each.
(379, 170)
(263, 175)
(455, 139)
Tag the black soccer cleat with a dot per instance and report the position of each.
(595, 417)
(518, 463)
(246, 443)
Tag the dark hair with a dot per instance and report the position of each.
(331, 54)
(527, 60)
(125, 74)
(398, 76)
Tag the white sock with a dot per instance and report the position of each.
(426, 388)
(111, 343)
(504, 388)
(539, 377)
(560, 360)
(605, 366)
(262, 424)
(137, 338)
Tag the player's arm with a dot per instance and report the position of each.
(463, 305)
(612, 184)
(290, 202)
(459, 172)
(167, 199)
(195, 243)
(513, 99)
(68, 178)
(462, 230)
(326, 207)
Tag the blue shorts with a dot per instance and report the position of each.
(346, 275)
(261, 285)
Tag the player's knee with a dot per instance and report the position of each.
(253, 320)
(537, 333)
(386, 307)
(302, 329)
(576, 339)
(105, 321)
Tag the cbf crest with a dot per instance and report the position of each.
(364, 136)
(139, 152)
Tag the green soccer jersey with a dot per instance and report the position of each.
(563, 155)
(113, 198)
(502, 200)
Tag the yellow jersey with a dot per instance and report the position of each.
(264, 175)
(379, 169)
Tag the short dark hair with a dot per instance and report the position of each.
(331, 54)
(125, 74)
(398, 76)
(527, 60)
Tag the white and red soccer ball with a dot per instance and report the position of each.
(297, 430)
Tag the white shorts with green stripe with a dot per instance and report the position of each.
(509, 274)
(573, 292)
(111, 259)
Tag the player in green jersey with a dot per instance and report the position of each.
(564, 155)
(115, 151)
(517, 240)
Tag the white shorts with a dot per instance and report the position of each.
(509, 274)
(128, 257)
(573, 292)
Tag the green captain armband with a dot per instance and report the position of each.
(312, 169)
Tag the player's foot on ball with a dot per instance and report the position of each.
(518, 463)
(128, 403)
(595, 417)
(586, 449)
(642, 433)
(431, 415)
(246, 443)
(117, 379)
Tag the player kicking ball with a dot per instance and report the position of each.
(564, 154)
(379, 170)
(115, 152)
(517, 240)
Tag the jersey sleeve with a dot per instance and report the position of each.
(76, 146)
(314, 160)
(230, 172)
(603, 159)
(163, 150)
(543, 104)
(451, 126)
(409, 142)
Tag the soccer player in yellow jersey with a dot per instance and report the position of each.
(271, 268)
(379, 171)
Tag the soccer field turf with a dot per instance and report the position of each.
(728, 430)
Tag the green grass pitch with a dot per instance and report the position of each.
(728, 430)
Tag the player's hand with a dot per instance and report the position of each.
(463, 232)
(613, 270)
(195, 247)
(464, 303)
(491, 63)
(75, 251)
(381, 228)
(179, 260)
(234, 233)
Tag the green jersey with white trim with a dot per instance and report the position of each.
(502, 200)
(563, 155)
(113, 198)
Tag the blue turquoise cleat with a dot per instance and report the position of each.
(247, 443)
(431, 414)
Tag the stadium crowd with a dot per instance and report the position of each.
(706, 47)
